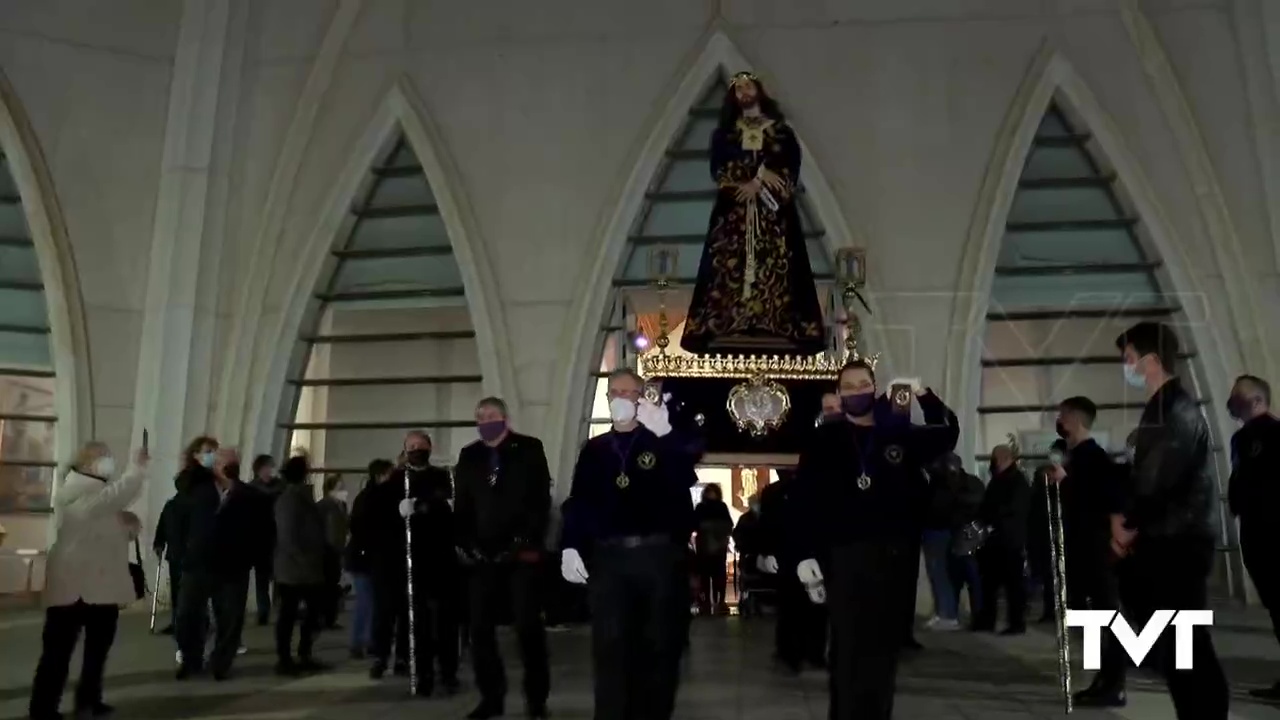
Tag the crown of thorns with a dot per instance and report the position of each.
(741, 77)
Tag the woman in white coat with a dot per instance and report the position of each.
(87, 577)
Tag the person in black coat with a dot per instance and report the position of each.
(1167, 534)
(713, 525)
(216, 561)
(859, 499)
(358, 558)
(800, 634)
(269, 487)
(630, 512)
(1253, 494)
(1089, 479)
(426, 505)
(501, 515)
(1004, 508)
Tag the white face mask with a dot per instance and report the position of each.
(622, 410)
(105, 466)
(206, 459)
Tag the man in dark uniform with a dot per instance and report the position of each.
(859, 490)
(1088, 479)
(1254, 494)
(435, 572)
(1001, 560)
(503, 503)
(1167, 536)
(630, 508)
(800, 634)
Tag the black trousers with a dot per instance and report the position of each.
(227, 594)
(435, 622)
(1261, 554)
(299, 606)
(1092, 585)
(1001, 567)
(62, 626)
(912, 588)
(263, 575)
(866, 590)
(801, 632)
(713, 578)
(639, 622)
(1173, 573)
(331, 595)
(519, 586)
(175, 593)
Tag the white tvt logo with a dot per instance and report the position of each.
(1138, 645)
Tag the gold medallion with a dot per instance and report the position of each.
(647, 460)
(623, 481)
(864, 481)
(893, 454)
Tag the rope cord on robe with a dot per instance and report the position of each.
(753, 229)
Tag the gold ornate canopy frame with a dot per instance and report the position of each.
(759, 404)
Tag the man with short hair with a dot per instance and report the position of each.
(425, 505)
(1005, 507)
(1254, 494)
(502, 510)
(1166, 532)
(630, 511)
(1089, 483)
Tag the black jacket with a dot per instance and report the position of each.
(503, 496)
(1089, 497)
(363, 533)
(775, 506)
(748, 537)
(830, 509)
(954, 499)
(713, 524)
(1171, 493)
(1254, 491)
(214, 537)
(432, 522)
(266, 495)
(1005, 506)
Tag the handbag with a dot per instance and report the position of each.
(137, 574)
(970, 539)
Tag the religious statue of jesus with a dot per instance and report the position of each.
(755, 291)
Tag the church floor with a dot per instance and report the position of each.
(728, 675)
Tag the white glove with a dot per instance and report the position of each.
(817, 593)
(809, 572)
(572, 567)
(406, 508)
(653, 417)
(767, 564)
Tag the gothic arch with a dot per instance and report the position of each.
(400, 111)
(718, 55)
(1051, 75)
(73, 397)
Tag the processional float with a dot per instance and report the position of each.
(761, 403)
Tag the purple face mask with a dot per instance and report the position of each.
(858, 405)
(492, 430)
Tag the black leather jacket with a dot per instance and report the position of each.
(1171, 490)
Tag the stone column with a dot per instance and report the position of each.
(178, 356)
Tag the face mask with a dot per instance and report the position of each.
(1133, 377)
(492, 430)
(622, 410)
(105, 467)
(1061, 430)
(206, 459)
(859, 404)
(419, 458)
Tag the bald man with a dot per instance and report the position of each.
(1004, 507)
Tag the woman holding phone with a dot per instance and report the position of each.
(87, 577)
